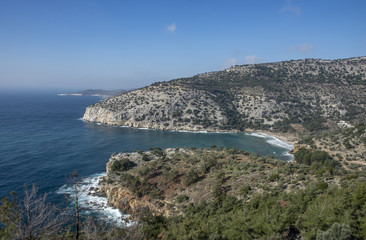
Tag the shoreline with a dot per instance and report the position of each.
(285, 137)
(288, 138)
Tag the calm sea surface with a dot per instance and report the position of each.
(42, 139)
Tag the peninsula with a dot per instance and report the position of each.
(293, 96)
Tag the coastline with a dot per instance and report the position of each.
(285, 137)
(288, 138)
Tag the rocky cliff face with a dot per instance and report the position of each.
(314, 94)
(125, 197)
(128, 202)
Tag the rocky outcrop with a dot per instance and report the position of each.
(159, 107)
(126, 201)
(121, 196)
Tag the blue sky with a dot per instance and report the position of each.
(79, 44)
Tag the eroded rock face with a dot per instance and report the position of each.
(128, 202)
(121, 197)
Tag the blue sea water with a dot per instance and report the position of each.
(42, 140)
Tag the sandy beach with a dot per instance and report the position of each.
(286, 137)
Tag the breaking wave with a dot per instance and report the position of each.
(276, 142)
(92, 202)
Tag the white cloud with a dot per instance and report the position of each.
(289, 7)
(171, 28)
(252, 59)
(303, 48)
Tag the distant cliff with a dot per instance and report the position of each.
(302, 95)
(96, 92)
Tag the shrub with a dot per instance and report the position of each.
(182, 198)
(145, 157)
(335, 232)
(169, 174)
(191, 177)
(309, 157)
(273, 177)
(157, 152)
(208, 165)
(245, 189)
(122, 165)
(322, 186)
(145, 171)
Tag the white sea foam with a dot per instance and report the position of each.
(289, 155)
(186, 131)
(273, 140)
(92, 203)
(257, 135)
(276, 142)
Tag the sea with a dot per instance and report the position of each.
(43, 140)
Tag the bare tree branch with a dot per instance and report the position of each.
(38, 218)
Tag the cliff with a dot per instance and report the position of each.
(303, 95)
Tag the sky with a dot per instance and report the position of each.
(82, 44)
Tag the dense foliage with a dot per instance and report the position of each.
(122, 165)
(247, 197)
(314, 213)
(314, 157)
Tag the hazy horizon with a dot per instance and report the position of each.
(71, 46)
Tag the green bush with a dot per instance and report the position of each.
(145, 157)
(273, 177)
(322, 186)
(182, 198)
(191, 177)
(122, 165)
(310, 157)
(145, 171)
(245, 189)
(157, 151)
(335, 232)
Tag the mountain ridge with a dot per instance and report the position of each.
(298, 95)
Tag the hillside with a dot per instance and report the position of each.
(303, 95)
(189, 193)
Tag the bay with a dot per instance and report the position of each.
(43, 139)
